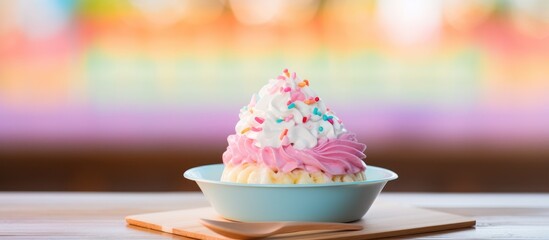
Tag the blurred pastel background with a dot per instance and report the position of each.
(100, 95)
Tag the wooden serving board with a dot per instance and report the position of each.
(382, 220)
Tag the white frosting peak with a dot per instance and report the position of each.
(287, 111)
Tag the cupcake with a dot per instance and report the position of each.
(287, 135)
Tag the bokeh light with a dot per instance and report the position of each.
(436, 71)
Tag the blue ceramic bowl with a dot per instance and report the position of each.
(333, 202)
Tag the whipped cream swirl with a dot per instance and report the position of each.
(286, 126)
(286, 111)
(336, 156)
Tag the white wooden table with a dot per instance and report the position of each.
(61, 215)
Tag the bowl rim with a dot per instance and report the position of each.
(187, 175)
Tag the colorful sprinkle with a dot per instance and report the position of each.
(302, 84)
(283, 133)
(320, 129)
(316, 112)
(259, 120)
(286, 72)
(287, 89)
(310, 101)
(245, 130)
(304, 119)
(293, 75)
(306, 82)
(317, 99)
(279, 120)
(280, 77)
(292, 105)
(258, 129)
(289, 117)
(331, 121)
(339, 121)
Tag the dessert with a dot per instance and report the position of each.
(287, 135)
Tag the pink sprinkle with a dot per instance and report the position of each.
(281, 77)
(331, 121)
(287, 89)
(297, 96)
(256, 129)
(339, 121)
(259, 120)
(289, 117)
(293, 75)
(289, 102)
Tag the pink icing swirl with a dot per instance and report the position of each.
(337, 156)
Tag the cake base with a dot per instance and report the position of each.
(257, 174)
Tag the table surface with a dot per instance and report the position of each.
(56, 215)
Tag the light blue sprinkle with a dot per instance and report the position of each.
(279, 120)
(325, 117)
(320, 129)
(292, 105)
